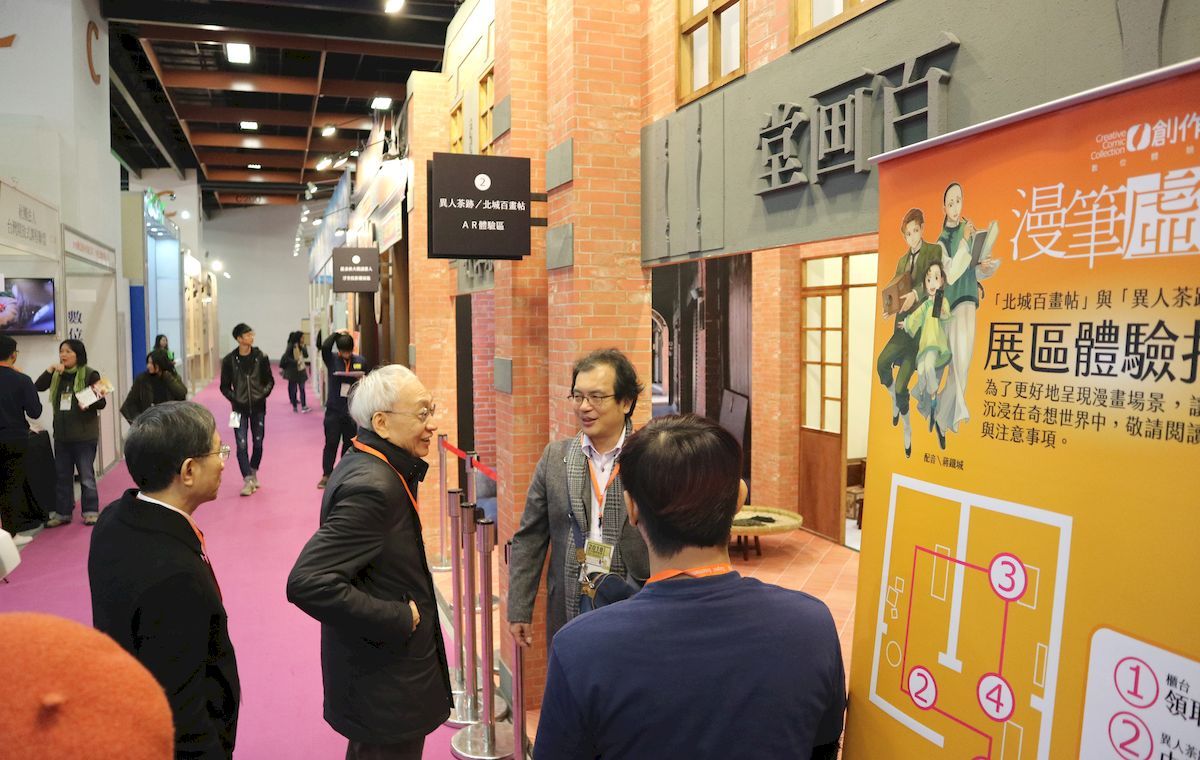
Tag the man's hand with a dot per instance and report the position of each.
(522, 632)
(909, 299)
(416, 614)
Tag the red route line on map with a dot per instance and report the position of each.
(907, 626)
(1003, 639)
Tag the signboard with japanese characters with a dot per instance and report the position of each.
(83, 247)
(479, 207)
(1034, 434)
(355, 270)
(28, 224)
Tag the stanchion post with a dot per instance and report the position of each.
(470, 683)
(453, 500)
(443, 562)
(471, 478)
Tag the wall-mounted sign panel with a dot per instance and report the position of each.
(28, 224)
(479, 207)
(355, 270)
(83, 247)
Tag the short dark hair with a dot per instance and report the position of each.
(240, 329)
(162, 437)
(625, 382)
(913, 215)
(8, 347)
(161, 359)
(78, 348)
(684, 472)
(344, 342)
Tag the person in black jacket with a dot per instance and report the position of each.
(345, 368)
(153, 588)
(246, 380)
(18, 401)
(159, 384)
(293, 365)
(76, 433)
(364, 576)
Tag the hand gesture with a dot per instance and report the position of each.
(55, 368)
(522, 632)
(909, 299)
(416, 614)
(968, 229)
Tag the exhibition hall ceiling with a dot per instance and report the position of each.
(262, 97)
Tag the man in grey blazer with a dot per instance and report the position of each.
(576, 503)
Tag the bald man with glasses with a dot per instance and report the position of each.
(575, 505)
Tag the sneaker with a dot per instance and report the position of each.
(90, 518)
(321, 483)
(254, 477)
(247, 486)
(20, 540)
(294, 410)
(57, 520)
(305, 409)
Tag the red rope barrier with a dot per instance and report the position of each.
(454, 450)
(488, 471)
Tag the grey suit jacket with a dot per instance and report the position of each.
(546, 522)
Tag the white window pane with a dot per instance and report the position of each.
(812, 345)
(699, 40)
(731, 38)
(812, 311)
(822, 272)
(823, 10)
(833, 417)
(860, 370)
(698, 5)
(833, 311)
(833, 381)
(863, 268)
(812, 396)
(833, 346)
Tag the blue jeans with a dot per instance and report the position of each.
(69, 458)
(254, 426)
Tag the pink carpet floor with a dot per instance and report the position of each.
(253, 542)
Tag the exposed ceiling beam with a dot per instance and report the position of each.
(247, 175)
(272, 117)
(270, 142)
(342, 88)
(315, 104)
(148, 49)
(255, 199)
(239, 82)
(408, 50)
(141, 117)
(265, 159)
(297, 21)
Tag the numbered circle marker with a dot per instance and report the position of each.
(1008, 577)
(1130, 737)
(995, 697)
(1136, 682)
(922, 688)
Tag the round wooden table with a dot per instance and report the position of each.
(752, 522)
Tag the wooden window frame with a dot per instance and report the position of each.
(457, 132)
(487, 104)
(683, 55)
(802, 29)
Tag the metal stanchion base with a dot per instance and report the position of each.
(471, 743)
(439, 568)
(460, 716)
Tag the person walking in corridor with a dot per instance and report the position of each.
(246, 380)
(159, 384)
(345, 368)
(18, 402)
(76, 431)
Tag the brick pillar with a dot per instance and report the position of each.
(520, 302)
(775, 400)
(483, 353)
(432, 285)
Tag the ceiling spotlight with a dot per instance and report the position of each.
(237, 52)
(324, 163)
(354, 153)
(253, 166)
(250, 125)
(381, 103)
(329, 131)
(312, 188)
(295, 253)
(317, 222)
(148, 224)
(185, 214)
(340, 231)
(340, 162)
(227, 276)
(393, 6)
(217, 265)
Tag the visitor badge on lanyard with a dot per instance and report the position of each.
(64, 401)
(345, 389)
(235, 420)
(598, 556)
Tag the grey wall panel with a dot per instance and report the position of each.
(503, 375)
(711, 185)
(560, 246)
(1012, 56)
(689, 176)
(654, 191)
(560, 164)
(502, 117)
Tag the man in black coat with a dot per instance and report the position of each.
(153, 589)
(364, 576)
(246, 381)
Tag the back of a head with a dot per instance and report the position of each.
(83, 697)
(161, 439)
(8, 346)
(684, 472)
(344, 342)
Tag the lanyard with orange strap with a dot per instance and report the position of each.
(706, 571)
(379, 455)
(204, 556)
(600, 492)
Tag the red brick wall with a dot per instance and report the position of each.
(483, 354)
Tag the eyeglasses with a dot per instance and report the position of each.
(595, 400)
(422, 415)
(222, 452)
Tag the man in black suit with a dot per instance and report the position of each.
(153, 589)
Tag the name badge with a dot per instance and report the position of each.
(64, 402)
(235, 420)
(345, 389)
(598, 556)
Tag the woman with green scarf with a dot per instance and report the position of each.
(76, 433)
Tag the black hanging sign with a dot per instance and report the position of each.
(478, 207)
(355, 270)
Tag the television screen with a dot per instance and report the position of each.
(27, 306)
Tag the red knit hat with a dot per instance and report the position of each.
(74, 693)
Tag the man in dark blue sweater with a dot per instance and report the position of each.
(701, 663)
(18, 400)
(345, 369)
